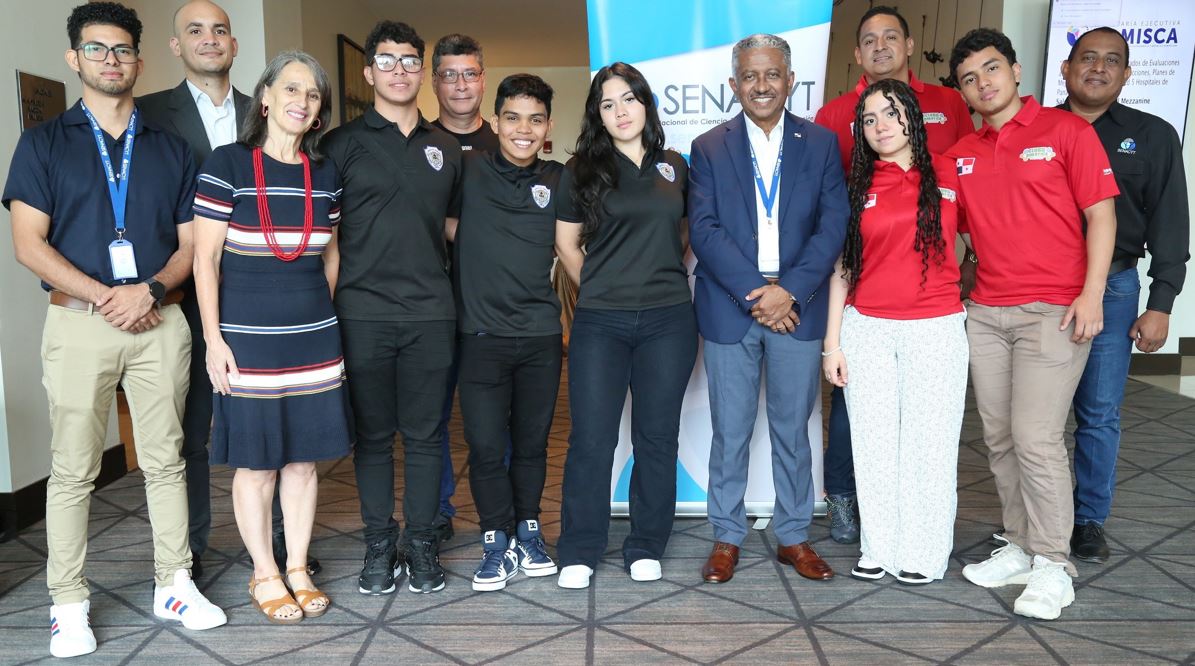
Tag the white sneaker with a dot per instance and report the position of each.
(70, 630)
(1048, 592)
(574, 577)
(1008, 565)
(646, 570)
(183, 602)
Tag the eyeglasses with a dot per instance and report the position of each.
(97, 52)
(387, 63)
(451, 75)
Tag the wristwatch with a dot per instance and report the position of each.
(156, 289)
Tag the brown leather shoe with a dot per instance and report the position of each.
(807, 562)
(719, 568)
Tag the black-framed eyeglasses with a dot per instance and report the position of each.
(451, 75)
(387, 63)
(98, 52)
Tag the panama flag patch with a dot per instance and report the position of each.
(541, 195)
(871, 201)
(434, 157)
(966, 165)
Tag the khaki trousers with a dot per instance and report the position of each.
(83, 359)
(1024, 372)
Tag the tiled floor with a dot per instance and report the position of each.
(1138, 608)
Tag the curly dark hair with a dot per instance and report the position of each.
(929, 241)
(102, 13)
(595, 169)
(978, 40)
(392, 31)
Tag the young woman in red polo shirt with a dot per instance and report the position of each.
(896, 321)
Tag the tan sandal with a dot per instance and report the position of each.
(269, 608)
(306, 597)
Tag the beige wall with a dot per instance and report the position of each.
(321, 22)
(35, 44)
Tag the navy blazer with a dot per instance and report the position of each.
(723, 226)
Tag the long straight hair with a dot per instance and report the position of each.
(596, 171)
(929, 241)
(253, 132)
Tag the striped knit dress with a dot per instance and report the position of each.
(289, 402)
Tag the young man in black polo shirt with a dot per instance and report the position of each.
(401, 179)
(509, 321)
(108, 232)
(1147, 160)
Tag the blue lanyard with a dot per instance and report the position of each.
(768, 197)
(118, 191)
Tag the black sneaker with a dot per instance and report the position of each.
(313, 565)
(381, 568)
(1088, 543)
(424, 573)
(443, 527)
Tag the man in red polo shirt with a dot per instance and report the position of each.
(1030, 178)
(883, 51)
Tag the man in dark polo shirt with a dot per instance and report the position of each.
(1037, 303)
(509, 322)
(459, 78)
(100, 208)
(1152, 212)
(883, 51)
(401, 179)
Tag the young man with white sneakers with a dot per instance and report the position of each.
(113, 313)
(508, 316)
(1031, 179)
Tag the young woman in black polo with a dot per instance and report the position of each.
(621, 237)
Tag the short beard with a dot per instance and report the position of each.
(97, 82)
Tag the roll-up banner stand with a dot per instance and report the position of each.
(1161, 38)
(683, 47)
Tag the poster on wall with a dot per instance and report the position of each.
(1161, 38)
(683, 48)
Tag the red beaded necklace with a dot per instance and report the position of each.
(263, 208)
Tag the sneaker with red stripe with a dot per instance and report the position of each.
(70, 630)
(183, 602)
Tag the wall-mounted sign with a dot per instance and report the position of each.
(41, 99)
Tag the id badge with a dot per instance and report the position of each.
(124, 263)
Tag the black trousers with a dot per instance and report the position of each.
(508, 390)
(397, 376)
(838, 466)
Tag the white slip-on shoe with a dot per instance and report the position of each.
(574, 577)
(646, 570)
(183, 602)
(70, 630)
(1008, 565)
(1048, 592)
(867, 569)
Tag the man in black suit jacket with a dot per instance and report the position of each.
(206, 111)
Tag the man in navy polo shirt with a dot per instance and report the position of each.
(111, 258)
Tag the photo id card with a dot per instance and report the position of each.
(124, 263)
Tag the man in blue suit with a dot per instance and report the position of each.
(767, 216)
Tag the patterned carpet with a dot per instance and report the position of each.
(1138, 608)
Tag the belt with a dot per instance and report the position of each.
(65, 300)
(1122, 264)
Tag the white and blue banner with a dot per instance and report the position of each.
(1161, 38)
(683, 47)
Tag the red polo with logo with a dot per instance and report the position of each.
(891, 285)
(943, 109)
(1024, 189)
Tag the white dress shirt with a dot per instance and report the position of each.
(220, 122)
(767, 147)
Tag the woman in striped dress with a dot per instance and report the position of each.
(265, 268)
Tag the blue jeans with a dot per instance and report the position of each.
(838, 465)
(1097, 401)
(652, 352)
